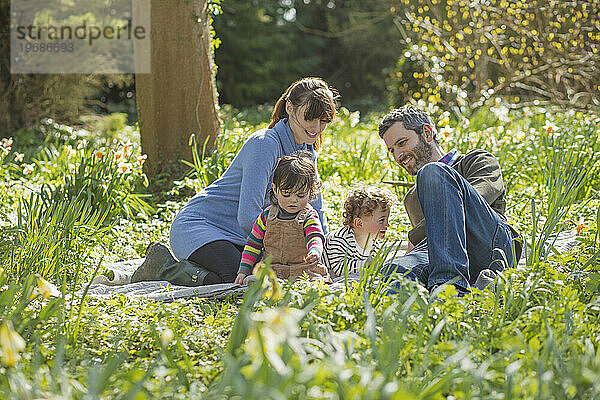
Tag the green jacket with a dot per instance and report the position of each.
(482, 170)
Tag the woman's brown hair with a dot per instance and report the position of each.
(319, 98)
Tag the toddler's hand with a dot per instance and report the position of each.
(311, 259)
(239, 278)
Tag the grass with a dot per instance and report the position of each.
(535, 335)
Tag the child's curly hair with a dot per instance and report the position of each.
(363, 201)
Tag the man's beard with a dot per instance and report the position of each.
(422, 153)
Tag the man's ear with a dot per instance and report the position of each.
(357, 223)
(273, 187)
(427, 132)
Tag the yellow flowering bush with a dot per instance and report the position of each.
(522, 49)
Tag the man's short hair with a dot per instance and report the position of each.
(411, 117)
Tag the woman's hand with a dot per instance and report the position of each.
(239, 278)
(312, 258)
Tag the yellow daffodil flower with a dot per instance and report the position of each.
(11, 343)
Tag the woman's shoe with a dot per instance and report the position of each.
(158, 256)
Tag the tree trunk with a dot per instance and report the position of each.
(177, 98)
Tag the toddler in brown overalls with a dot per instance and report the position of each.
(289, 230)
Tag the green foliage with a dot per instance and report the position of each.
(465, 53)
(452, 52)
(354, 152)
(106, 176)
(83, 191)
(50, 235)
(349, 43)
(110, 125)
(261, 52)
(533, 334)
(25, 306)
(208, 167)
(413, 347)
(27, 98)
(565, 176)
(374, 283)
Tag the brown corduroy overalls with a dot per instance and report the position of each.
(284, 241)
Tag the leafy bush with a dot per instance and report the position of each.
(106, 176)
(51, 235)
(466, 53)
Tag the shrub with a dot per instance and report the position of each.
(466, 53)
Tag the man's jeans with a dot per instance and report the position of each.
(464, 234)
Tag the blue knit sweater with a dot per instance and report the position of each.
(227, 209)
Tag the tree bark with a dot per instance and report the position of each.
(177, 98)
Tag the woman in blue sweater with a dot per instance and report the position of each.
(209, 233)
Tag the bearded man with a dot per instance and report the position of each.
(456, 208)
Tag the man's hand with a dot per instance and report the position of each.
(312, 258)
(239, 278)
(409, 247)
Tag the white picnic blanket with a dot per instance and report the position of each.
(103, 287)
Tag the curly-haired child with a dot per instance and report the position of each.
(366, 213)
(289, 230)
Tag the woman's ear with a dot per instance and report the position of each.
(288, 107)
(273, 187)
(357, 223)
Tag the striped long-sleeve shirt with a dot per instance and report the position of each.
(341, 248)
(313, 234)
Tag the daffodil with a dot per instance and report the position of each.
(580, 226)
(446, 131)
(550, 127)
(27, 169)
(6, 143)
(270, 282)
(124, 167)
(45, 288)
(165, 337)
(520, 135)
(11, 344)
(274, 288)
(270, 329)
